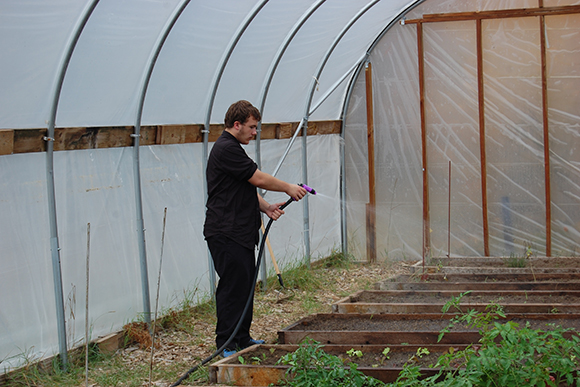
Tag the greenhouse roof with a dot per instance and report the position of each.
(188, 59)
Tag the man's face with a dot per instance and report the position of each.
(246, 131)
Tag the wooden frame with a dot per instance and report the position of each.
(541, 12)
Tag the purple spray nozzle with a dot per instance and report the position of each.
(307, 188)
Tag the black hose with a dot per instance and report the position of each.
(248, 302)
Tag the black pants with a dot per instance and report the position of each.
(236, 267)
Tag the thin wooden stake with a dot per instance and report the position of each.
(87, 308)
(157, 298)
(449, 216)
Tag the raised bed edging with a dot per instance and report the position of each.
(463, 286)
(396, 329)
(399, 301)
(504, 262)
(481, 276)
(229, 370)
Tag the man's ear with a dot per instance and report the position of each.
(237, 125)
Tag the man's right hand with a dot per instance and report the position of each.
(296, 192)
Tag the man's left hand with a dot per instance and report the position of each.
(273, 211)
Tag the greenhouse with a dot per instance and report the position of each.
(428, 128)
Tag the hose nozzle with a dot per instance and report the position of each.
(307, 188)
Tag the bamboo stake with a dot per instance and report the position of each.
(157, 298)
(87, 308)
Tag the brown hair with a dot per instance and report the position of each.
(240, 111)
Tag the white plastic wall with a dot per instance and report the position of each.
(513, 134)
(96, 187)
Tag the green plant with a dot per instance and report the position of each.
(515, 261)
(352, 353)
(311, 366)
(506, 355)
(338, 259)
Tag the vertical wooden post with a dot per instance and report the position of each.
(483, 159)
(426, 217)
(547, 180)
(371, 212)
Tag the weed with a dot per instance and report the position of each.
(311, 366)
(515, 261)
(338, 259)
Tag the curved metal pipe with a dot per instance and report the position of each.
(136, 164)
(316, 106)
(272, 70)
(346, 102)
(313, 84)
(215, 83)
(49, 138)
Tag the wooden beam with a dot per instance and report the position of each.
(29, 140)
(499, 14)
(32, 140)
(6, 142)
(547, 179)
(426, 217)
(483, 158)
(371, 208)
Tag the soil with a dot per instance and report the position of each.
(372, 358)
(316, 323)
(550, 297)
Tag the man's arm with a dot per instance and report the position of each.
(272, 210)
(270, 183)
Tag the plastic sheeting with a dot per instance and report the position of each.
(513, 135)
(96, 187)
(103, 79)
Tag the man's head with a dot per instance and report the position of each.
(240, 111)
(241, 121)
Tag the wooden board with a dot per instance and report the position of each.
(33, 140)
(229, 371)
(424, 328)
(463, 286)
(486, 277)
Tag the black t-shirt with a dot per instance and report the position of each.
(232, 204)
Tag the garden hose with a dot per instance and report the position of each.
(248, 302)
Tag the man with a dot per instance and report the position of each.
(233, 220)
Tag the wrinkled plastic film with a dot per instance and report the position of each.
(96, 186)
(514, 139)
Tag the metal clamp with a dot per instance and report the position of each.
(46, 138)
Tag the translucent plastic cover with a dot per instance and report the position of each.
(507, 125)
(96, 187)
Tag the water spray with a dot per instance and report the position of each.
(251, 296)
